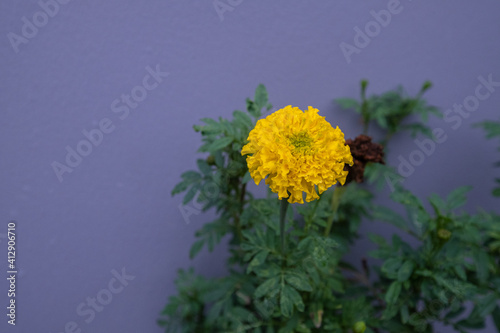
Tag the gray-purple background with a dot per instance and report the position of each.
(113, 211)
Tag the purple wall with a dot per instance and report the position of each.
(76, 71)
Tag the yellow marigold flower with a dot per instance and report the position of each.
(297, 152)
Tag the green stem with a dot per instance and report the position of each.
(337, 194)
(311, 216)
(283, 208)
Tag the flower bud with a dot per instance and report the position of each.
(211, 160)
(359, 327)
(444, 234)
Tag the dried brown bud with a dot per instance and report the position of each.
(363, 150)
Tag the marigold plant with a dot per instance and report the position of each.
(291, 266)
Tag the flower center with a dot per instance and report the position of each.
(301, 142)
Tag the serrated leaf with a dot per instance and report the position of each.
(286, 301)
(295, 297)
(298, 283)
(496, 317)
(261, 96)
(487, 305)
(437, 203)
(405, 314)
(191, 176)
(219, 144)
(459, 269)
(377, 239)
(190, 194)
(243, 118)
(391, 266)
(393, 292)
(416, 128)
(246, 177)
(204, 167)
(481, 261)
(196, 248)
(252, 108)
(268, 271)
(258, 260)
(405, 271)
(457, 198)
(387, 215)
(456, 313)
(348, 103)
(267, 287)
(492, 128)
(180, 187)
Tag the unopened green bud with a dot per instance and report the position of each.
(426, 85)
(359, 327)
(364, 84)
(444, 234)
(211, 160)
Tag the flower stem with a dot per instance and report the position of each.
(283, 208)
(337, 194)
(311, 216)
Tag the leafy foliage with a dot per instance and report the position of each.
(492, 129)
(390, 110)
(441, 259)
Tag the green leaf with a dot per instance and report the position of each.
(297, 282)
(393, 292)
(387, 215)
(377, 239)
(416, 128)
(211, 127)
(496, 317)
(219, 144)
(261, 96)
(191, 176)
(481, 260)
(252, 108)
(180, 187)
(405, 314)
(243, 118)
(267, 287)
(456, 313)
(268, 270)
(348, 103)
(391, 266)
(487, 305)
(258, 260)
(246, 177)
(288, 297)
(459, 269)
(405, 271)
(406, 198)
(458, 197)
(472, 322)
(437, 203)
(204, 167)
(492, 128)
(190, 194)
(196, 247)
